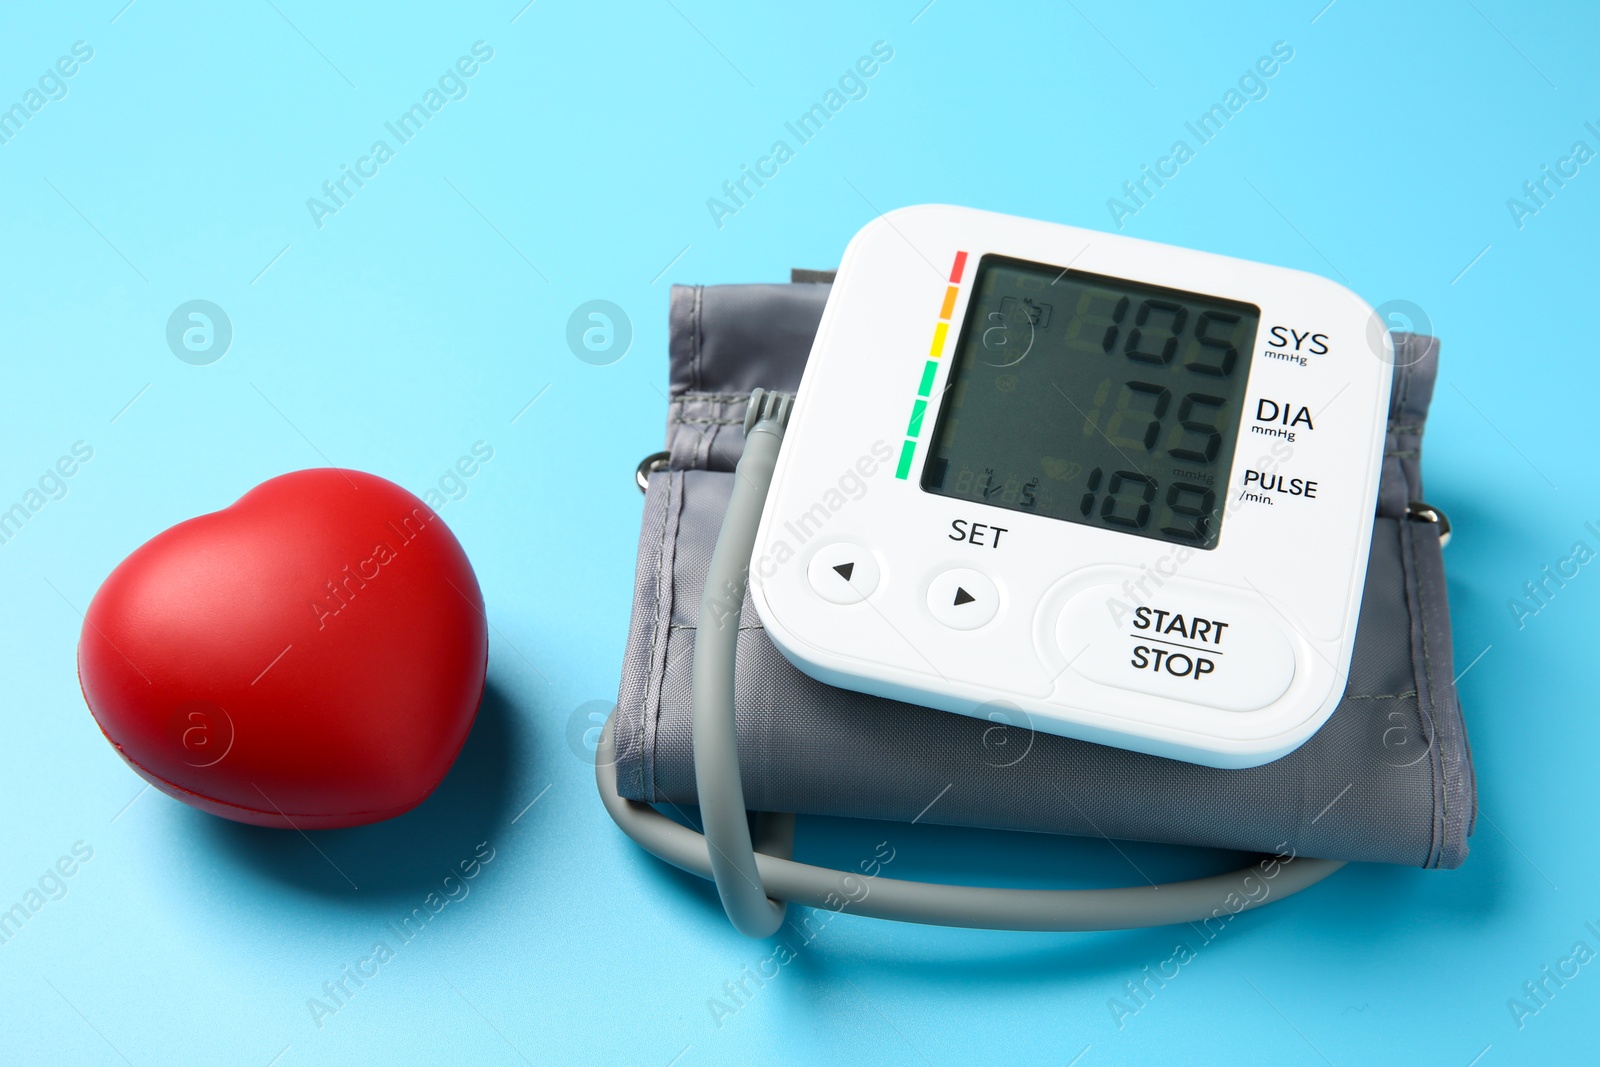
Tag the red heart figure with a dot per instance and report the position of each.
(312, 656)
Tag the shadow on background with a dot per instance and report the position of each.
(401, 858)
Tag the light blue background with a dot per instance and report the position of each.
(432, 308)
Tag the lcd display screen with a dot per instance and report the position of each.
(1094, 400)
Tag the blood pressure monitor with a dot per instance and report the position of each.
(1108, 488)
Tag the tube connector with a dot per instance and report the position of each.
(768, 406)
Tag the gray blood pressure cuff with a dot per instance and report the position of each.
(1387, 779)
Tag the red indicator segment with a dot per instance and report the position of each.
(960, 265)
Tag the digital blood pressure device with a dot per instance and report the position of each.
(1121, 490)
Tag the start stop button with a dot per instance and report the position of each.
(1190, 643)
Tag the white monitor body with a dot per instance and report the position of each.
(965, 598)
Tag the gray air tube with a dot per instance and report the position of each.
(753, 884)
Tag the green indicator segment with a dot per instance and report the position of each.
(918, 409)
(906, 451)
(928, 371)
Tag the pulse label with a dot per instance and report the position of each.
(1261, 487)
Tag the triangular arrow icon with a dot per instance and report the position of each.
(963, 597)
(845, 570)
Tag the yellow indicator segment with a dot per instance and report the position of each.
(938, 340)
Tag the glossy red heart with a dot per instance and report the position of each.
(312, 656)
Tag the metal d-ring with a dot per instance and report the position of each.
(1422, 511)
(658, 461)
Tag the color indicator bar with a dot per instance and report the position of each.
(930, 369)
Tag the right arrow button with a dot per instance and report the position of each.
(963, 599)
